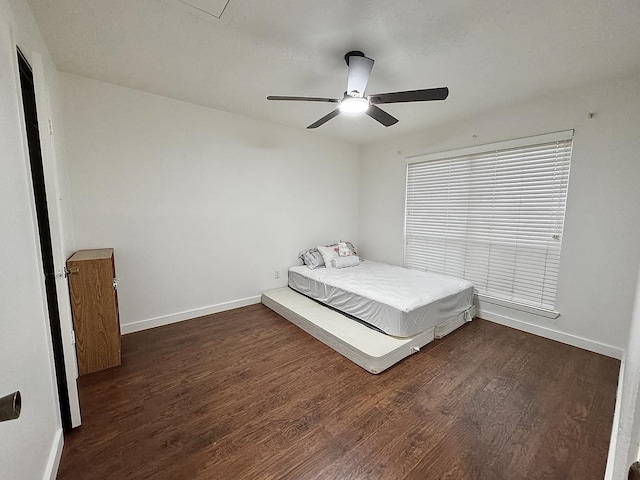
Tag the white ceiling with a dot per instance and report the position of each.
(489, 53)
(209, 7)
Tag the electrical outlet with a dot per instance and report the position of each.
(276, 274)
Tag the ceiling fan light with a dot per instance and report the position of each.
(354, 105)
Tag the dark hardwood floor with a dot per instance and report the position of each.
(245, 394)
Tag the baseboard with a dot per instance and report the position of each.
(188, 315)
(584, 343)
(53, 463)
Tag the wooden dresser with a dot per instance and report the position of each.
(94, 303)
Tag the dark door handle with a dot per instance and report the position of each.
(10, 407)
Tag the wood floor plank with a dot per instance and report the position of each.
(245, 394)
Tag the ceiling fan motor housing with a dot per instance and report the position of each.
(353, 53)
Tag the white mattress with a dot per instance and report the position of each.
(398, 301)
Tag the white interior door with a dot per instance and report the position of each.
(50, 164)
(30, 446)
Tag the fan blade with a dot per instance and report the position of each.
(411, 96)
(381, 116)
(325, 119)
(359, 72)
(303, 99)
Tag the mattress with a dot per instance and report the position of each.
(398, 301)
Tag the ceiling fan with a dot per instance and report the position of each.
(354, 101)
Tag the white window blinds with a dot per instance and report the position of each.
(492, 216)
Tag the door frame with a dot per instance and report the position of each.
(625, 432)
(57, 234)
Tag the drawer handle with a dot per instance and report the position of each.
(71, 271)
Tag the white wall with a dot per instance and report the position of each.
(201, 206)
(29, 446)
(601, 245)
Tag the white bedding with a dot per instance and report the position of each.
(398, 301)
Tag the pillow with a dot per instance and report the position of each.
(328, 254)
(344, 262)
(345, 249)
(312, 258)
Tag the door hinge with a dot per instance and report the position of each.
(50, 127)
(73, 337)
(115, 283)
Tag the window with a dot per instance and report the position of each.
(493, 215)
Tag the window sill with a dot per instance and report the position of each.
(518, 306)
